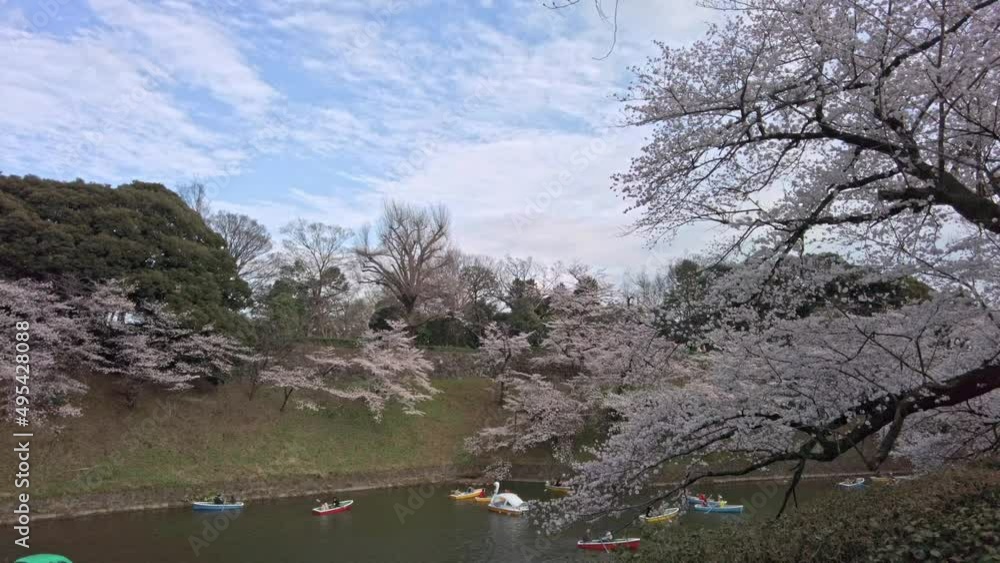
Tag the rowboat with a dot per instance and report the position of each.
(466, 495)
(213, 506)
(609, 545)
(883, 480)
(507, 503)
(344, 506)
(668, 514)
(558, 489)
(852, 483)
(719, 507)
(695, 501)
(488, 498)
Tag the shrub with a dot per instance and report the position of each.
(952, 515)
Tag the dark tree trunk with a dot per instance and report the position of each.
(288, 393)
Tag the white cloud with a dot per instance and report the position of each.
(498, 117)
(189, 47)
(510, 196)
(77, 107)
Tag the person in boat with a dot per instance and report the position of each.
(719, 500)
(336, 502)
(703, 499)
(608, 536)
(219, 499)
(649, 511)
(558, 483)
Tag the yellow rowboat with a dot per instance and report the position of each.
(558, 489)
(466, 495)
(892, 479)
(488, 498)
(668, 514)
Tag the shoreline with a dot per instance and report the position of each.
(58, 508)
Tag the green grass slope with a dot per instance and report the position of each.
(218, 436)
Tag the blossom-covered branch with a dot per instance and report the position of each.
(388, 368)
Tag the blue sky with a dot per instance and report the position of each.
(320, 110)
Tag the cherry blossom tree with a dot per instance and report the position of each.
(142, 346)
(869, 126)
(102, 331)
(499, 348)
(388, 368)
(56, 341)
(291, 379)
(596, 347)
(858, 126)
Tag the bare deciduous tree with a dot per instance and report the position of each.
(246, 239)
(644, 289)
(512, 273)
(404, 251)
(315, 252)
(480, 286)
(196, 197)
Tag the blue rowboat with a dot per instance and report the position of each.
(213, 506)
(695, 501)
(852, 484)
(724, 508)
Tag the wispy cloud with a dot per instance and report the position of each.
(188, 47)
(484, 106)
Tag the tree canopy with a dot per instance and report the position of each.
(140, 233)
(860, 126)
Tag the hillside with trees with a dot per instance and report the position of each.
(77, 234)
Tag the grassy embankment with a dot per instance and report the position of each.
(175, 444)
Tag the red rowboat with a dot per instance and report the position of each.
(609, 545)
(345, 505)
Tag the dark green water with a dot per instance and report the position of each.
(418, 524)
